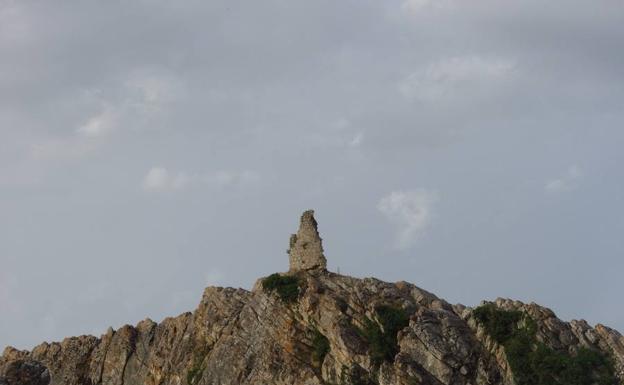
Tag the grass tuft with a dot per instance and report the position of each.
(286, 286)
(320, 347)
(381, 335)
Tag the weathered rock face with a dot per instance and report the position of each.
(25, 372)
(237, 336)
(306, 247)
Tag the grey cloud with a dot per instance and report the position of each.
(308, 97)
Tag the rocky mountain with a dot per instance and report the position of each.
(311, 326)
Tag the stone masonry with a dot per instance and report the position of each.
(306, 247)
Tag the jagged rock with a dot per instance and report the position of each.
(254, 337)
(24, 372)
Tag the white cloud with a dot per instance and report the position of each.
(340, 124)
(161, 179)
(416, 6)
(340, 133)
(356, 141)
(569, 181)
(80, 143)
(150, 91)
(445, 78)
(229, 178)
(156, 179)
(410, 211)
(99, 124)
(145, 97)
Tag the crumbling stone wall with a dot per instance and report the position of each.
(306, 247)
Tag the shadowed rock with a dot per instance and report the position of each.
(25, 372)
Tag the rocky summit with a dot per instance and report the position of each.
(310, 326)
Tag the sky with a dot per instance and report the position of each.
(150, 148)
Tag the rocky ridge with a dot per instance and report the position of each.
(323, 336)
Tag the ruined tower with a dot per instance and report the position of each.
(306, 247)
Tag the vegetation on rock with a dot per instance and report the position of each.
(286, 286)
(381, 334)
(355, 375)
(194, 374)
(197, 368)
(534, 363)
(320, 346)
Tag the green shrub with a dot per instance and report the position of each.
(194, 374)
(197, 368)
(382, 335)
(392, 319)
(534, 363)
(320, 346)
(498, 324)
(287, 287)
(373, 334)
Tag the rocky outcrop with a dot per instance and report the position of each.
(24, 372)
(237, 336)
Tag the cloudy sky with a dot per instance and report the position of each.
(151, 148)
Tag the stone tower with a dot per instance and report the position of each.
(306, 247)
